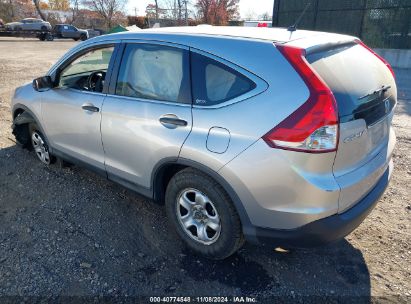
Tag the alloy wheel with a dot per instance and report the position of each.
(40, 147)
(198, 216)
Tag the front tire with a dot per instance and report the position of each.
(40, 146)
(203, 215)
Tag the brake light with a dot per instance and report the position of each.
(313, 127)
(376, 55)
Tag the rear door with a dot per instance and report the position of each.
(366, 94)
(26, 25)
(65, 33)
(147, 115)
(71, 32)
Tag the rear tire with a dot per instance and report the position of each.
(40, 145)
(209, 225)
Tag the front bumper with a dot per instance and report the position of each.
(325, 230)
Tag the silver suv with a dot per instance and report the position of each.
(29, 24)
(251, 134)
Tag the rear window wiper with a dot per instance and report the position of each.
(380, 91)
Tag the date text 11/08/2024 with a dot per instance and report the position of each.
(236, 299)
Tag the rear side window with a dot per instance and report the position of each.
(214, 82)
(155, 72)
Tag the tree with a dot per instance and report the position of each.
(6, 10)
(39, 11)
(59, 5)
(265, 16)
(107, 9)
(74, 7)
(217, 12)
(156, 1)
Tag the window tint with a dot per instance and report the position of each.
(88, 71)
(154, 72)
(214, 82)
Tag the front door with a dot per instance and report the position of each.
(72, 111)
(148, 116)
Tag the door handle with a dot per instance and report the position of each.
(171, 121)
(90, 107)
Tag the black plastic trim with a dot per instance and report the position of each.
(325, 230)
(27, 110)
(116, 68)
(79, 162)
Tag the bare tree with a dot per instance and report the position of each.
(265, 16)
(6, 10)
(156, 1)
(39, 11)
(107, 9)
(74, 10)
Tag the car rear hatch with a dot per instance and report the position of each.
(365, 91)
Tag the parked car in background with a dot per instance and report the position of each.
(69, 31)
(292, 147)
(29, 24)
(257, 23)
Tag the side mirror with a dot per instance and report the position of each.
(43, 84)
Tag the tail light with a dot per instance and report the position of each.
(313, 127)
(376, 55)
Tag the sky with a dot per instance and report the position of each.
(248, 8)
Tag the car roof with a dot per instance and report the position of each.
(281, 35)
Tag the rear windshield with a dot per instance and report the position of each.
(352, 73)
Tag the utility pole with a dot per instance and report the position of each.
(186, 12)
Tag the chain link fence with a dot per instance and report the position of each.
(380, 23)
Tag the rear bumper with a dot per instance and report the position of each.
(325, 230)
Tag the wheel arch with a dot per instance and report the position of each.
(23, 115)
(167, 168)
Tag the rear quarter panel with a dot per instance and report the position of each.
(247, 120)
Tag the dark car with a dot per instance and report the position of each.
(70, 31)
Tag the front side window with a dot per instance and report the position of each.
(154, 72)
(214, 82)
(88, 71)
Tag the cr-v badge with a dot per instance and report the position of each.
(353, 136)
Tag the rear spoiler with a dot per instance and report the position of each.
(328, 46)
(322, 42)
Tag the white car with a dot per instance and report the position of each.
(29, 24)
